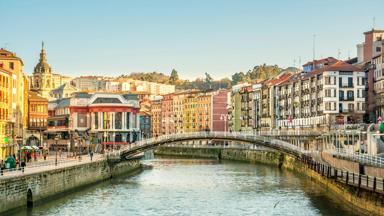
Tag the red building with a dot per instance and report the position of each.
(220, 110)
(100, 118)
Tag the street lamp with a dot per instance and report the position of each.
(105, 140)
(225, 118)
(19, 140)
(56, 143)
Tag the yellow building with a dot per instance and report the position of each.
(17, 100)
(197, 112)
(5, 77)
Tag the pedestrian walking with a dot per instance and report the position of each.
(45, 154)
(91, 155)
(2, 166)
(22, 165)
(60, 153)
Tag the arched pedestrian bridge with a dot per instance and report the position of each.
(243, 141)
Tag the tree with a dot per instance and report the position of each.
(239, 77)
(208, 80)
(174, 77)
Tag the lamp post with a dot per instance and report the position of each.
(19, 140)
(225, 118)
(56, 143)
(105, 140)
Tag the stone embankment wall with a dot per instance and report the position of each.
(352, 166)
(363, 201)
(31, 188)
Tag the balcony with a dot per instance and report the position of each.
(346, 110)
(346, 99)
(350, 85)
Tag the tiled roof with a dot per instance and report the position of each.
(322, 61)
(36, 97)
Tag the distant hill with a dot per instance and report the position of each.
(258, 73)
(150, 77)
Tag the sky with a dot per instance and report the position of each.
(220, 37)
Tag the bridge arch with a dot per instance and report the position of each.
(29, 198)
(265, 141)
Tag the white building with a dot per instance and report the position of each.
(334, 94)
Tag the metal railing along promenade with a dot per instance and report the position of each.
(49, 165)
(370, 183)
(357, 157)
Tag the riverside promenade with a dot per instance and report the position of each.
(50, 163)
(42, 180)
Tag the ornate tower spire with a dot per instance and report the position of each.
(43, 57)
(42, 66)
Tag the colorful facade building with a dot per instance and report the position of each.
(246, 108)
(108, 119)
(235, 107)
(156, 128)
(17, 88)
(369, 57)
(331, 95)
(37, 119)
(5, 110)
(220, 106)
(190, 111)
(167, 121)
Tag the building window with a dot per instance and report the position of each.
(106, 120)
(11, 65)
(96, 120)
(350, 95)
(350, 107)
(81, 120)
(128, 120)
(363, 106)
(350, 82)
(118, 120)
(134, 122)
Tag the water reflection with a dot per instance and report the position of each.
(199, 187)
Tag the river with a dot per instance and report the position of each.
(198, 187)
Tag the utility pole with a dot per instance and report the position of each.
(314, 51)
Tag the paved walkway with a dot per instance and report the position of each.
(49, 164)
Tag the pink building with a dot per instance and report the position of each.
(220, 111)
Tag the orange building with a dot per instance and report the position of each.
(17, 88)
(5, 105)
(156, 118)
(37, 118)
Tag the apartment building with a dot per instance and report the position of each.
(331, 95)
